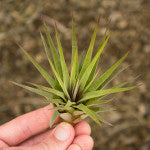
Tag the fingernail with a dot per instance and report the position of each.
(62, 132)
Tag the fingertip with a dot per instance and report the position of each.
(64, 131)
(60, 138)
(84, 141)
(74, 147)
(82, 128)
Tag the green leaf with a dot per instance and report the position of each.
(89, 53)
(90, 79)
(74, 49)
(60, 82)
(55, 72)
(90, 67)
(53, 91)
(90, 83)
(55, 101)
(89, 112)
(76, 90)
(47, 95)
(47, 77)
(66, 77)
(96, 101)
(111, 77)
(95, 66)
(102, 109)
(98, 93)
(34, 90)
(54, 117)
(73, 70)
(81, 61)
(68, 104)
(120, 85)
(102, 120)
(106, 75)
(55, 55)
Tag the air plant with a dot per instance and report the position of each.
(79, 93)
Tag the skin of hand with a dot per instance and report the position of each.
(29, 132)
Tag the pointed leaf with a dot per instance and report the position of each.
(98, 93)
(55, 55)
(54, 117)
(34, 90)
(74, 49)
(47, 77)
(95, 66)
(106, 75)
(120, 85)
(81, 61)
(55, 101)
(63, 63)
(92, 74)
(96, 101)
(76, 90)
(90, 113)
(55, 72)
(111, 77)
(90, 83)
(102, 109)
(68, 104)
(89, 52)
(53, 91)
(90, 67)
(102, 120)
(73, 70)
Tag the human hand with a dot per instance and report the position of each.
(27, 133)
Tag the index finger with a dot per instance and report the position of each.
(25, 126)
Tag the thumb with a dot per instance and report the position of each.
(60, 138)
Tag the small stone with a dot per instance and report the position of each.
(147, 48)
(115, 16)
(122, 24)
(107, 4)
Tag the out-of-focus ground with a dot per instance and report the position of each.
(20, 21)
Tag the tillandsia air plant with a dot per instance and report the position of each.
(78, 93)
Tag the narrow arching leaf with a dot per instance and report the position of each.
(90, 83)
(98, 93)
(55, 55)
(120, 85)
(34, 90)
(47, 77)
(111, 77)
(66, 77)
(102, 120)
(68, 104)
(53, 91)
(81, 60)
(53, 118)
(89, 53)
(76, 90)
(74, 51)
(90, 113)
(102, 109)
(73, 70)
(92, 74)
(106, 75)
(96, 101)
(60, 82)
(74, 44)
(90, 67)
(55, 101)
(55, 72)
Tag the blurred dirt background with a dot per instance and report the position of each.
(20, 21)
